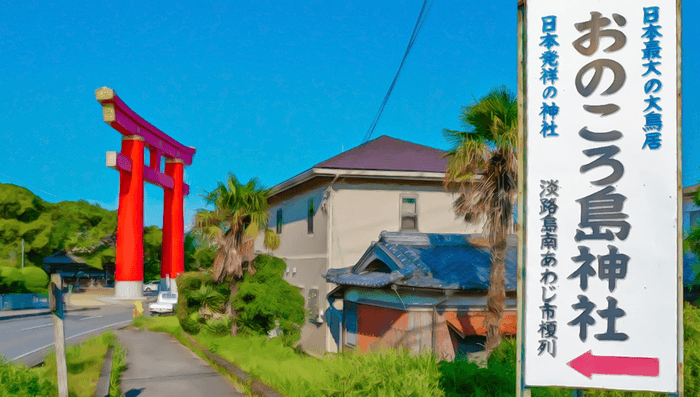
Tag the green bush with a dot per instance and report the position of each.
(187, 283)
(21, 381)
(691, 345)
(208, 297)
(466, 378)
(11, 281)
(35, 279)
(264, 300)
(221, 326)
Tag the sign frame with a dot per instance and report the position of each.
(523, 390)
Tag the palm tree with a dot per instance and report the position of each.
(240, 214)
(199, 252)
(483, 169)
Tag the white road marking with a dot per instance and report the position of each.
(38, 326)
(86, 318)
(70, 337)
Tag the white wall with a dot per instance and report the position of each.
(296, 244)
(362, 212)
(358, 213)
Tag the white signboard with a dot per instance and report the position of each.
(602, 196)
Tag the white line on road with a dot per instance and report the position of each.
(86, 318)
(38, 326)
(70, 337)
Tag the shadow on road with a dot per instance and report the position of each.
(134, 392)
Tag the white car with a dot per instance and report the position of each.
(150, 287)
(165, 304)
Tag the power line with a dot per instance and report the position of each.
(35, 188)
(425, 9)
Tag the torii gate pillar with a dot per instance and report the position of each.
(129, 268)
(139, 135)
(173, 223)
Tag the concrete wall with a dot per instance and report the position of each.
(305, 255)
(362, 211)
(357, 212)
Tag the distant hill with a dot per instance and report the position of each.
(84, 229)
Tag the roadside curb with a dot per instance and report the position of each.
(102, 389)
(257, 387)
(41, 313)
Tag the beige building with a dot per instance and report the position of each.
(327, 216)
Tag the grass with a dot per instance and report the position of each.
(83, 362)
(118, 366)
(171, 325)
(295, 374)
(22, 381)
(395, 372)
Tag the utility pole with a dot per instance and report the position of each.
(23, 253)
(56, 306)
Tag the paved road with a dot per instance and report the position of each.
(160, 366)
(29, 339)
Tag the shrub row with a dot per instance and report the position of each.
(30, 279)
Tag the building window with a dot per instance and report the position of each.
(409, 214)
(310, 217)
(694, 217)
(279, 221)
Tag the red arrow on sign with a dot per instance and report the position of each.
(588, 364)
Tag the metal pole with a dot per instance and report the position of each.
(22, 252)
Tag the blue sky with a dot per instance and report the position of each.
(265, 89)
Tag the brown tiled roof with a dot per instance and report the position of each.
(389, 154)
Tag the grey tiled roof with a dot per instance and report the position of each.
(444, 261)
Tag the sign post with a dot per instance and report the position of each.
(600, 274)
(56, 306)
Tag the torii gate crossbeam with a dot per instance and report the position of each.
(138, 135)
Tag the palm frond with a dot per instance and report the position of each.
(272, 239)
(487, 147)
(240, 214)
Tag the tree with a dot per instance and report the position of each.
(483, 168)
(84, 229)
(692, 243)
(240, 214)
(152, 252)
(199, 253)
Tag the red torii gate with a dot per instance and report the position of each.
(137, 135)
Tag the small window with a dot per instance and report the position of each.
(279, 221)
(310, 217)
(409, 214)
(694, 217)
